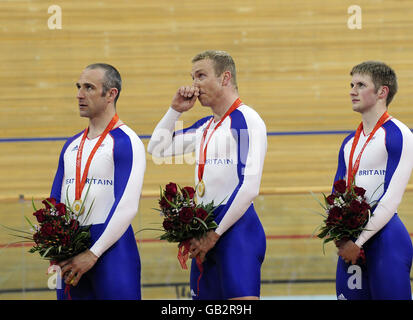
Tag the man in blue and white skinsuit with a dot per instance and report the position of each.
(230, 148)
(110, 269)
(384, 170)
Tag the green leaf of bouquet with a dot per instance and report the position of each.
(315, 230)
(31, 224)
(148, 229)
(46, 252)
(164, 236)
(372, 196)
(33, 250)
(14, 229)
(50, 204)
(88, 212)
(201, 222)
(323, 233)
(212, 225)
(183, 192)
(34, 207)
(195, 228)
(318, 213)
(67, 203)
(84, 200)
(171, 203)
(321, 204)
(29, 239)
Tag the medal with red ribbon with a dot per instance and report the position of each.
(200, 188)
(77, 206)
(352, 170)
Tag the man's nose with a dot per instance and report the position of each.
(80, 94)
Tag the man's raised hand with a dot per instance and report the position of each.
(185, 98)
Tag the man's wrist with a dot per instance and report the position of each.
(358, 243)
(93, 254)
(214, 236)
(175, 110)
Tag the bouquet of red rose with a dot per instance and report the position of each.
(58, 235)
(183, 218)
(347, 213)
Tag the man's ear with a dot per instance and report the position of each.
(226, 78)
(112, 94)
(383, 92)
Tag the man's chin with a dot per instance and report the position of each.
(203, 102)
(356, 108)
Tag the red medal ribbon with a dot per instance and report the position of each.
(183, 253)
(352, 170)
(80, 184)
(67, 291)
(67, 286)
(202, 150)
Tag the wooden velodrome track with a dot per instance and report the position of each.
(293, 60)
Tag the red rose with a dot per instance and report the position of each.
(361, 219)
(355, 206)
(352, 223)
(50, 200)
(365, 207)
(60, 209)
(188, 192)
(168, 225)
(359, 191)
(36, 237)
(330, 199)
(335, 211)
(47, 229)
(171, 189)
(163, 203)
(334, 216)
(340, 186)
(186, 215)
(40, 215)
(201, 213)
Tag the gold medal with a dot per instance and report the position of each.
(201, 188)
(77, 207)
